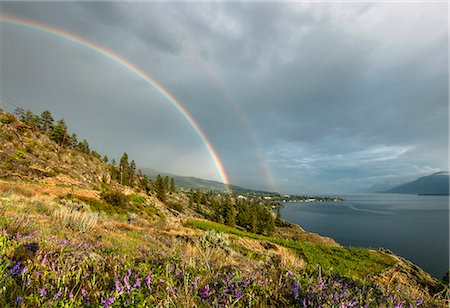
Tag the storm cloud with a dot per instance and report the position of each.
(294, 97)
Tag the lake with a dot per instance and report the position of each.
(414, 227)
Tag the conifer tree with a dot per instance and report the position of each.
(124, 169)
(172, 186)
(59, 133)
(166, 183)
(132, 172)
(160, 188)
(46, 121)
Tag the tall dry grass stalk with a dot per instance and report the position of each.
(75, 218)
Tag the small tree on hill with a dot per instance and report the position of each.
(59, 132)
(160, 188)
(46, 121)
(172, 186)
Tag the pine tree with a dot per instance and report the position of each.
(132, 172)
(166, 183)
(124, 169)
(172, 186)
(160, 188)
(46, 121)
(72, 140)
(105, 159)
(59, 133)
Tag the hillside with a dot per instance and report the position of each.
(435, 184)
(190, 182)
(76, 230)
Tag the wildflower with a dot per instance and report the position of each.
(83, 292)
(57, 295)
(43, 260)
(52, 264)
(296, 290)
(126, 282)
(24, 270)
(204, 293)
(119, 287)
(43, 291)
(33, 247)
(148, 280)
(19, 299)
(37, 273)
(108, 302)
(16, 269)
(195, 282)
(137, 283)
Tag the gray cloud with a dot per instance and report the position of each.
(337, 96)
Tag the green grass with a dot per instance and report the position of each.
(353, 262)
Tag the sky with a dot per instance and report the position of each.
(301, 97)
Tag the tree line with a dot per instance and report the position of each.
(251, 215)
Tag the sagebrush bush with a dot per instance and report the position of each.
(115, 198)
(215, 240)
(76, 218)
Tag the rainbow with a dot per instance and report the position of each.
(235, 106)
(13, 20)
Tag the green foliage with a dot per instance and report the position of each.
(352, 262)
(115, 198)
(176, 206)
(7, 119)
(58, 133)
(160, 189)
(46, 121)
(172, 186)
(137, 199)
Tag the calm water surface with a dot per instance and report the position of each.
(414, 227)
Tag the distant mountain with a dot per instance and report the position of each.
(379, 187)
(435, 184)
(190, 182)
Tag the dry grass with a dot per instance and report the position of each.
(78, 219)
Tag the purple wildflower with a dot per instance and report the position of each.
(119, 288)
(83, 292)
(147, 281)
(296, 290)
(57, 295)
(16, 269)
(126, 282)
(43, 260)
(137, 283)
(24, 270)
(204, 293)
(43, 291)
(108, 302)
(52, 264)
(195, 282)
(19, 299)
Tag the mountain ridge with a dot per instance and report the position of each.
(434, 184)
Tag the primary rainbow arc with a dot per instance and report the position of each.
(134, 69)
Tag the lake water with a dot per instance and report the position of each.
(414, 227)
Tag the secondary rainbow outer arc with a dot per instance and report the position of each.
(131, 67)
(226, 93)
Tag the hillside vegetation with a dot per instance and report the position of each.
(79, 230)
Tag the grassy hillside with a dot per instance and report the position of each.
(78, 237)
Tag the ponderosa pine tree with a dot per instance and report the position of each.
(160, 188)
(46, 121)
(124, 169)
(59, 132)
(172, 186)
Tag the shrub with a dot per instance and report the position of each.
(7, 119)
(137, 199)
(115, 198)
(176, 206)
(215, 240)
(79, 219)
